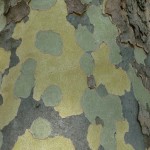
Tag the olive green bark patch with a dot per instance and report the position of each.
(42, 5)
(52, 96)
(49, 42)
(25, 81)
(40, 128)
(1, 139)
(87, 63)
(85, 39)
(107, 108)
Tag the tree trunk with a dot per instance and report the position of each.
(75, 74)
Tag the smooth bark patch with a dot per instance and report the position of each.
(49, 42)
(85, 39)
(103, 107)
(52, 96)
(140, 55)
(42, 5)
(104, 31)
(40, 128)
(87, 63)
(25, 81)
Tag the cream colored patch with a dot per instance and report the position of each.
(27, 142)
(122, 127)
(9, 108)
(4, 58)
(63, 71)
(115, 80)
(93, 136)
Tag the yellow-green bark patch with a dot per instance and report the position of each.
(115, 80)
(63, 70)
(5, 59)
(122, 129)
(27, 142)
(11, 103)
(93, 136)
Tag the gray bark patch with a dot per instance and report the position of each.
(74, 127)
(130, 112)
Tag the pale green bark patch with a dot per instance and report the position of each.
(25, 81)
(85, 39)
(52, 96)
(42, 4)
(40, 128)
(49, 42)
(87, 64)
